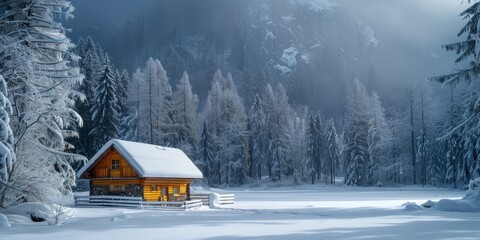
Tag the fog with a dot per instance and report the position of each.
(409, 34)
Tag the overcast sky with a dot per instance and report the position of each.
(420, 21)
(413, 25)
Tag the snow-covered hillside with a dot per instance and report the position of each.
(305, 212)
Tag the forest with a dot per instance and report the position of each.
(264, 90)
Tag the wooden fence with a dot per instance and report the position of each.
(135, 202)
(224, 199)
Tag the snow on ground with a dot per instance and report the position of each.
(304, 212)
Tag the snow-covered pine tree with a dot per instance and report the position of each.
(332, 158)
(423, 152)
(130, 123)
(90, 66)
(269, 108)
(128, 115)
(166, 118)
(321, 149)
(225, 117)
(232, 142)
(379, 142)
(467, 50)
(155, 121)
(281, 123)
(355, 149)
(423, 146)
(40, 56)
(205, 156)
(7, 154)
(122, 92)
(105, 108)
(311, 153)
(256, 123)
(297, 145)
(435, 165)
(185, 116)
(211, 118)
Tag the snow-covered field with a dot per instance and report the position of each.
(305, 212)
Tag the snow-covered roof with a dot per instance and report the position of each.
(150, 160)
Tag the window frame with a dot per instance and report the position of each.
(115, 164)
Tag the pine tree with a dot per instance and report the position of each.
(379, 139)
(311, 138)
(333, 151)
(105, 109)
(280, 124)
(122, 92)
(7, 155)
(355, 150)
(90, 66)
(467, 50)
(154, 109)
(205, 156)
(185, 111)
(321, 149)
(225, 118)
(39, 69)
(256, 123)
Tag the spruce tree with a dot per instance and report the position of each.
(311, 138)
(184, 115)
(256, 123)
(332, 159)
(40, 70)
(90, 66)
(205, 156)
(105, 109)
(355, 150)
(7, 155)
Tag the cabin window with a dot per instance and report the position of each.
(153, 188)
(115, 164)
(175, 190)
(117, 188)
(164, 191)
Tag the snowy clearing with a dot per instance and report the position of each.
(305, 212)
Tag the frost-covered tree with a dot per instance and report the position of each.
(379, 142)
(297, 145)
(206, 156)
(7, 154)
(332, 158)
(38, 68)
(311, 154)
(321, 147)
(105, 108)
(225, 117)
(278, 123)
(316, 148)
(90, 66)
(423, 147)
(468, 50)
(256, 132)
(185, 116)
(355, 149)
(123, 80)
(154, 110)
(130, 122)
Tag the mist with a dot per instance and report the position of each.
(410, 35)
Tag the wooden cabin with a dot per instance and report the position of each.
(156, 173)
